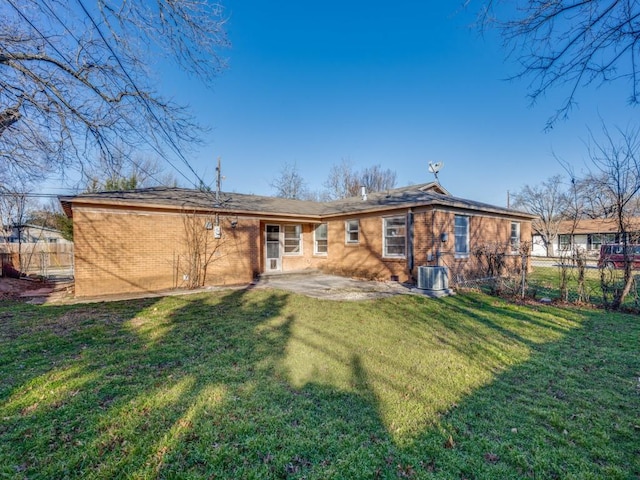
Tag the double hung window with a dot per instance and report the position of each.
(395, 236)
(515, 237)
(352, 231)
(320, 239)
(293, 239)
(461, 230)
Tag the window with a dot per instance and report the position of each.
(292, 237)
(564, 242)
(320, 242)
(395, 236)
(594, 240)
(515, 236)
(352, 229)
(461, 230)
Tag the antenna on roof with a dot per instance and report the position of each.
(435, 168)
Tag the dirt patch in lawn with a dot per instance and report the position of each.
(33, 290)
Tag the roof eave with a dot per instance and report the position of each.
(433, 203)
(69, 202)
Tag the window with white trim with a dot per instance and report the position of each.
(293, 239)
(352, 231)
(461, 233)
(395, 236)
(595, 240)
(320, 239)
(565, 242)
(515, 236)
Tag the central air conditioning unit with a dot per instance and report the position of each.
(433, 278)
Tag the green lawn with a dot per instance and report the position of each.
(546, 282)
(264, 384)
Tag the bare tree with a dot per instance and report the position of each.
(375, 179)
(290, 184)
(571, 44)
(75, 82)
(201, 247)
(616, 173)
(595, 202)
(125, 173)
(549, 202)
(343, 181)
(14, 209)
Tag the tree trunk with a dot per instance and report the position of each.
(550, 250)
(628, 283)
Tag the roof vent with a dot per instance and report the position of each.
(363, 193)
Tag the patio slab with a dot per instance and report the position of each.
(332, 287)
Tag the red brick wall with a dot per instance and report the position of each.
(127, 250)
(490, 231)
(364, 259)
(120, 251)
(307, 259)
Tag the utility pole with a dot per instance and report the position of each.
(217, 233)
(218, 183)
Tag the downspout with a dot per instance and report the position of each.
(410, 256)
(433, 237)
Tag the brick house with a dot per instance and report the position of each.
(144, 240)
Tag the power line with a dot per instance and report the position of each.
(72, 67)
(131, 125)
(31, 195)
(141, 97)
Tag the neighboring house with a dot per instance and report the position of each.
(34, 249)
(31, 234)
(586, 234)
(142, 240)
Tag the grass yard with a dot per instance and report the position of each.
(546, 281)
(265, 384)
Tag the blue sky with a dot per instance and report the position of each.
(396, 84)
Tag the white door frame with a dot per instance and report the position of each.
(273, 263)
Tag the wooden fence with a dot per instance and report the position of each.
(43, 259)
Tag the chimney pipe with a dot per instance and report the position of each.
(363, 192)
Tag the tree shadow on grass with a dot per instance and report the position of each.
(167, 389)
(39, 339)
(249, 385)
(567, 412)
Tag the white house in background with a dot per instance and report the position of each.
(587, 235)
(31, 234)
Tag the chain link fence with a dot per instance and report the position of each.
(577, 280)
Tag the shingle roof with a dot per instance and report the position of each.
(595, 225)
(184, 198)
(404, 197)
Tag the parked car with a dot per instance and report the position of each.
(612, 255)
